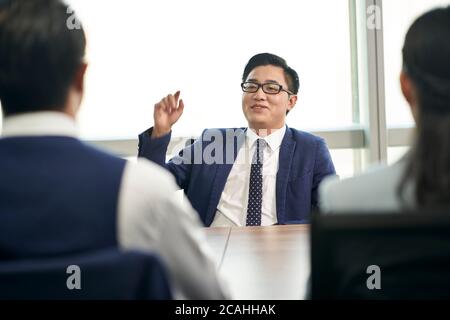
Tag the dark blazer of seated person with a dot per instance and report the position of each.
(304, 161)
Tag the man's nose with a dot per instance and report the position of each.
(259, 94)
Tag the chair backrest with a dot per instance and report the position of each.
(107, 274)
(381, 255)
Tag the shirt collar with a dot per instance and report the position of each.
(273, 140)
(45, 123)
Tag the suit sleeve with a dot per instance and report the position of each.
(156, 149)
(323, 167)
(153, 149)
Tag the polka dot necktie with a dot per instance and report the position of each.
(255, 187)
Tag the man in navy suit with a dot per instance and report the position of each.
(265, 174)
(59, 196)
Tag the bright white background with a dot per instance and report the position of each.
(140, 50)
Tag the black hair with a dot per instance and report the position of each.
(39, 55)
(264, 59)
(426, 55)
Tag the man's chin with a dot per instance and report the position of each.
(258, 124)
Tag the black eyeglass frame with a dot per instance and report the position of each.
(261, 85)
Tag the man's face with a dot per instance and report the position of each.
(267, 111)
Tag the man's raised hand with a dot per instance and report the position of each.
(166, 113)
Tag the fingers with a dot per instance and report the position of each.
(167, 112)
(174, 100)
(161, 106)
(169, 104)
(172, 103)
(181, 107)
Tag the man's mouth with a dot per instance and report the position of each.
(258, 107)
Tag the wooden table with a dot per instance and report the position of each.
(263, 262)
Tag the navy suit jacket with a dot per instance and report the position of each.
(304, 161)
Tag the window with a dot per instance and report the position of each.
(139, 51)
(398, 15)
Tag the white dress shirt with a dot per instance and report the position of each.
(149, 216)
(232, 207)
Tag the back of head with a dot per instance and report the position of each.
(264, 59)
(426, 55)
(39, 55)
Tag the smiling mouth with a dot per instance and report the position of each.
(258, 107)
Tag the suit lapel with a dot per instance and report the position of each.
(287, 150)
(223, 171)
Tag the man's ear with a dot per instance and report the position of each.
(291, 103)
(76, 92)
(409, 92)
(78, 83)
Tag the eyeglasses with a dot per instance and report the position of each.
(269, 88)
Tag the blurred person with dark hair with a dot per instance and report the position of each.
(422, 177)
(262, 175)
(59, 196)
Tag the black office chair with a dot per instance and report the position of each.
(411, 250)
(108, 274)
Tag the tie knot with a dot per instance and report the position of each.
(258, 155)
(261, 144)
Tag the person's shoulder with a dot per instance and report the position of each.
(334, 184)
(98, 152)
(373, 189)
(147, 177)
